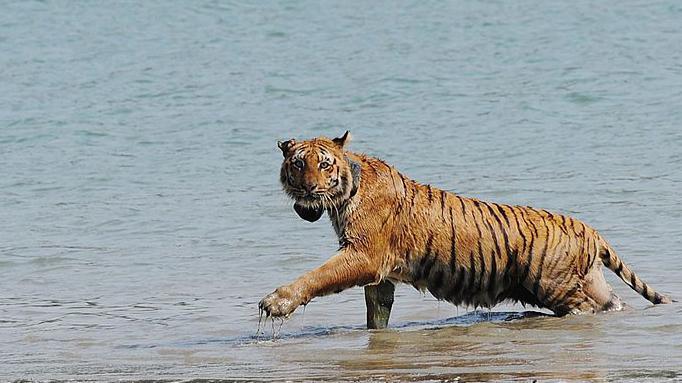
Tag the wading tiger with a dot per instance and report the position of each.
(462, 250)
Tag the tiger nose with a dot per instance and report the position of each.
(311, 188)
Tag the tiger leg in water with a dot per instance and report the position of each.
(346, 269)
(379, 301)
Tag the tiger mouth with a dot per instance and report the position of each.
(317, 200)
(311, 200)
(326, 198)
(318, 196)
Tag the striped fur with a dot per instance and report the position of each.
(462, 250)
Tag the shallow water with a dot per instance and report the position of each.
(142, 218)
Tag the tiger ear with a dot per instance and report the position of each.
(284, 146)
(342, 141)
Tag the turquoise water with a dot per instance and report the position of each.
(142, 218)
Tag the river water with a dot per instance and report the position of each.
(141, 219)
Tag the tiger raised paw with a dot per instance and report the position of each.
(460, 249)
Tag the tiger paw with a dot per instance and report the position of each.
(280, 303)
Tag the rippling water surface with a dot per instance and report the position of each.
(142, 220)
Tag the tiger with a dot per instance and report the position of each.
(462, 250)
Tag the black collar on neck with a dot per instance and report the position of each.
(310, 214)
(355, 170)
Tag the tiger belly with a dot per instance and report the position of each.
(462, 284)
(483, 276)
(476, 253)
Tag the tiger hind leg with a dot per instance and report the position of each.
(600, 291)
(578, 302)
(592, 294)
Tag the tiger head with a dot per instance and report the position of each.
(317, 174)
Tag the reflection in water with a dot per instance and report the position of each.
(484, 347)
(471, 352)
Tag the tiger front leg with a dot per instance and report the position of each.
(347, 268)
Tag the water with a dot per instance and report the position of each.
(142, 218)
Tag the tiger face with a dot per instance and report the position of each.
(317, 175)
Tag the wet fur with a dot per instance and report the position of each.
(460, 249)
